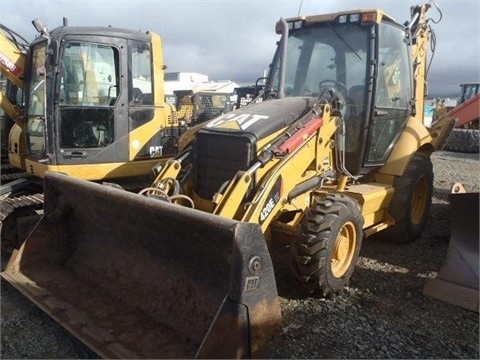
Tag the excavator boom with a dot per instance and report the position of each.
(12, 56)
(13, 50)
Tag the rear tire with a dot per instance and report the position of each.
(325, 253)
(411, 201)
(463, 140)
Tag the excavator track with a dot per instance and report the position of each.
(18, 215)
(15, 204)
(6, 178)
(10, 205)
(9, 172)
(21, 210)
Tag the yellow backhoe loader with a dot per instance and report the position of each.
(94, 109)
(197, 106)
(336, 151)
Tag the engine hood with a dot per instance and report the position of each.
(260, 119)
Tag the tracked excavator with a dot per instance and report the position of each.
(94, 109)
(336, 151)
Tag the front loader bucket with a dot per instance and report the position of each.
(457, 281)
(136, 277)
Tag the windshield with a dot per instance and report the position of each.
(89, 86)
(36, 86)
(89, 75)
(36, 89)
(324, 56)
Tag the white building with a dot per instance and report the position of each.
(197, 82)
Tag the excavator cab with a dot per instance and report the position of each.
(91, 100)
(365, 64)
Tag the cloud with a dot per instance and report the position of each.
(235, 39)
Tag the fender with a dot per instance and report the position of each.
(414, 137)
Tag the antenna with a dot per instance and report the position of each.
(300, 7)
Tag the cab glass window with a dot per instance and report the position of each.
(89, 75)
(141, 73)
(393, 93)
(323, 56)
(394, 87)
(36, 92)
(89, 87)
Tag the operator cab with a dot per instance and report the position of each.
(88, 90)
(363, 57)
(79, 82)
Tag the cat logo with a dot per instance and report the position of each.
(236, 121)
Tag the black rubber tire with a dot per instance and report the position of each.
(411, 201)
(463, 140)
(327, 224)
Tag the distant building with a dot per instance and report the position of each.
(196, 82)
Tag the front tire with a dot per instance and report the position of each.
(325, 253)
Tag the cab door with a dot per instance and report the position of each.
(392, 96)
(92, 120)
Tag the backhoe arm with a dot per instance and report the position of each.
(12, 66)
(420, 38)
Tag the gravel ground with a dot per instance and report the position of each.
(381, 314)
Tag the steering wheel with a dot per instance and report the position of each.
(338, 91)
(335, 84)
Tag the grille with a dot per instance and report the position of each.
(217, 158)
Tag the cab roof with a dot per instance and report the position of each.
(85, 31)
(381, 16)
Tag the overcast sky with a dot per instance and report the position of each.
(235, 39)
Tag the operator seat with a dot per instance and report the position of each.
(84, 136)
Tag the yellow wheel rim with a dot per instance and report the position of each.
(419, 201)
(344, 249)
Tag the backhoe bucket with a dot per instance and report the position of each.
(457, 281)
(136, 277)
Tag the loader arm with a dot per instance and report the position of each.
(290, 169)
(285, 163)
